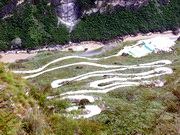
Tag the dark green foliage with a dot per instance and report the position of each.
(3, 3)
(36, 24)
(149, 18)
(46, 15)
(86, 4)
(61, 125)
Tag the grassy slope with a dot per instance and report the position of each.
(19, 111)
(144, 110)
(22, 111)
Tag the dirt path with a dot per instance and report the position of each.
(140, 36)
(9, 58)
(88, 46)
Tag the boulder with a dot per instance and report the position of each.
(16, 43)
(178, 38)
(84, 102)
(176, 31)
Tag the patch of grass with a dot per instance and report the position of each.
(61, 125)
(130, 110)
(129, 43)
(16, 105)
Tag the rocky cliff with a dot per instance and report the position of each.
(68, 12)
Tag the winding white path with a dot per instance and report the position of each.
(120, 81)
(117, 80)
(58, 60)
(60, 82)
(101, 65)
(91, 110)
(80, 97)
(123, 82)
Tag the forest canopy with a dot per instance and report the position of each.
(36, 24)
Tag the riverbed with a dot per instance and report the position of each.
(84, 46)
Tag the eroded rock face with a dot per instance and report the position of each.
(122, 3)
(68, 12)
(104, 5)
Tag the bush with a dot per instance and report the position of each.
(61, 126)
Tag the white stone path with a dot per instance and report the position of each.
(116, 81)
(58, 60)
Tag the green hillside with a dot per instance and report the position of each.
(36, 24)
(142, 109)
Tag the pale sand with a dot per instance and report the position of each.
(140, 36)
(89, 46)
(9, 58)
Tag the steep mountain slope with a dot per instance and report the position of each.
(107, 82)
(24, 110)
(20, 113)
(43, 22)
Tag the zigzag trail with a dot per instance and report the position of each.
(61, 59)
(93, 64)
(116, 81)
(58, 83)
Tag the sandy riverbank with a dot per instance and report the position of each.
(83, 47)
(12, 57)
(89, 46)
(9, 58)
(141, 36)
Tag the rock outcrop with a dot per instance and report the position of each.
(68, 12)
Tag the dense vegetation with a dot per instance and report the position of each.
(3, 3)
(129, 110)
(36, 24)
(24, 110)
(153, 17)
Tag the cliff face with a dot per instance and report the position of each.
(67, 11)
